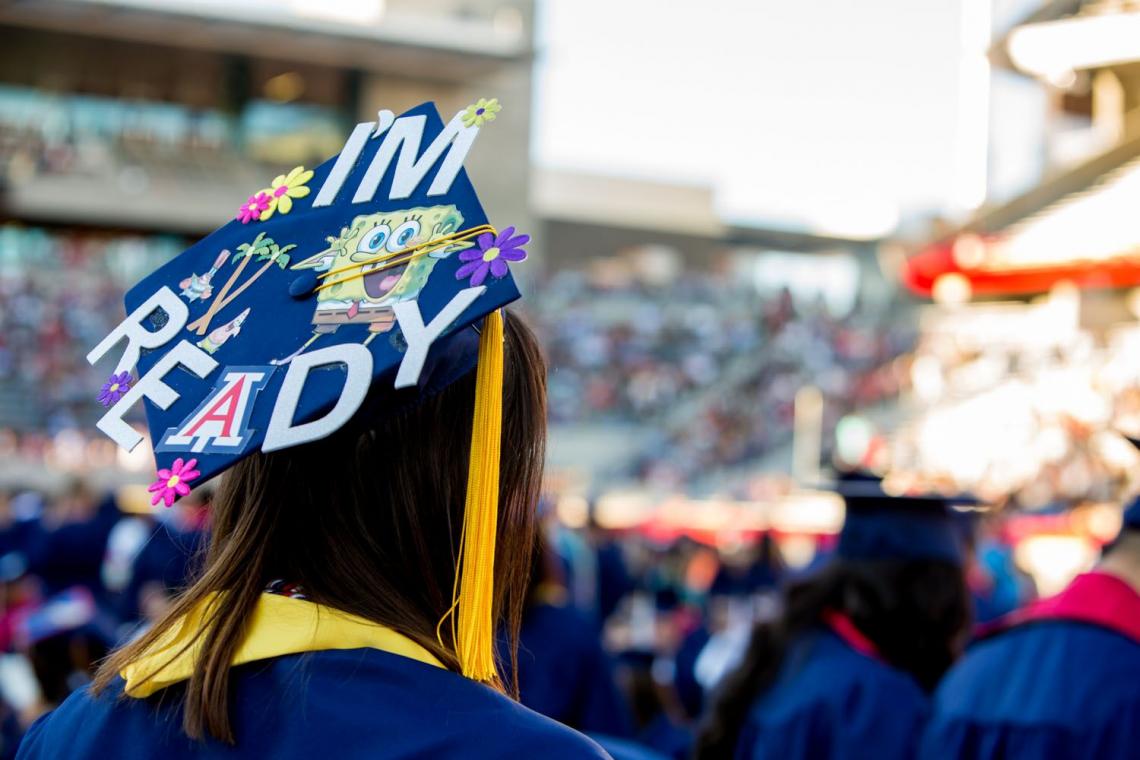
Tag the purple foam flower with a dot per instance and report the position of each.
(252, 209)
(492, 255)
(114, 389)
(173, 483)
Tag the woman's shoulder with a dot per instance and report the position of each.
(836, 702)
(825, 650)
(528, 733)
(820, 670)
(89, 725)
(351, 703)
(446, 706)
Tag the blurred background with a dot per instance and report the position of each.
(771, 240)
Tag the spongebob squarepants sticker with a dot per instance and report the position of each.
(365, 294)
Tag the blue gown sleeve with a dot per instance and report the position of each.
(870, 721)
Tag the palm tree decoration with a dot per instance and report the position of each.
(263, 249)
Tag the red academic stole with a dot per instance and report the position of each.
(844, 628)
(1095, 598)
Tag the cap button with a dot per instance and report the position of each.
(303, 285)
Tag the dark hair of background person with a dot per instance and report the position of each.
(917, 613)
(368, 521)
(56, 661)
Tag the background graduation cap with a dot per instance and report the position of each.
(881, 525)
(335, 294)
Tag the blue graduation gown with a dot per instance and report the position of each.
(613, 579)
(353, 703)
(689, 689)
(831, 701)
(17, 535)
(72, 554)
(623, 749)
(165, 558)
(565, 674)
(666, 737)
(1063, 681)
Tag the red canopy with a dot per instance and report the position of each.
(921, 272)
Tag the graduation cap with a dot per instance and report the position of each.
(335, 294)
(881, 525)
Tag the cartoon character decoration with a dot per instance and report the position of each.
(263, 250)
(219, 335)
(198, 288)
(363, 274)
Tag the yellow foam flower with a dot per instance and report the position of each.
(284, 188)
(480, 112)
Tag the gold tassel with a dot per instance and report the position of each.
(474, 594)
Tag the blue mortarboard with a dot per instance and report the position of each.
(879, 525)
(337, 293)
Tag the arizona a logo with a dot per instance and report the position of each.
(219, 424)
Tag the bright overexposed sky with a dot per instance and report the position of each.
(822, 114)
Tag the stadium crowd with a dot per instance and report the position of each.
(715, 363)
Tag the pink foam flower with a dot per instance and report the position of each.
(253, 208)
(173, 483)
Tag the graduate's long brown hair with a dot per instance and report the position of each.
(369, 523)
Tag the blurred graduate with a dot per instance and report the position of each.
(158, 551)
(847, 669)
(381, 423)
(564, 672)
(1057, 679)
